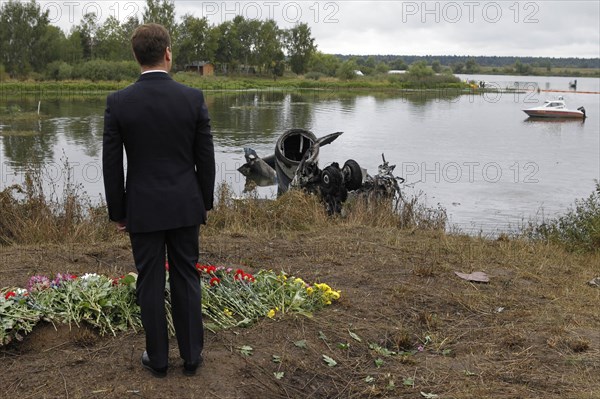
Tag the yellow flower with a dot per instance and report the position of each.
(271, 313)
(309, 290)
(323, 287)
(228, 312)
(335, 295)
(299, 280)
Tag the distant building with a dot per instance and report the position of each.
(358, 73)
(203, 68)
(396, 71)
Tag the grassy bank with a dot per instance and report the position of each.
(446, 83)
(218, 83)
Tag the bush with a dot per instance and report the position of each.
(347, 71)
(313, 75)
(578, 229)
(59, 70)
(97, 70)
(418, 81)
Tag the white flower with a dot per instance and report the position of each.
(90, 276)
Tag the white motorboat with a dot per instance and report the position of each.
(555, 109)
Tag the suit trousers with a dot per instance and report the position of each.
(181, 247)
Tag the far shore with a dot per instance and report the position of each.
(85, 88)
(233, 83)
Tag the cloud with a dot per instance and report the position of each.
(549, 28)
(469, 27)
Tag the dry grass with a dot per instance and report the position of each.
(293, 211)
(32, 214)
(297, 211)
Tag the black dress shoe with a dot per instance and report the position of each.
(157, 372)
(189, 369)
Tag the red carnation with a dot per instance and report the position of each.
(9, 294)
(208, 269)
(214, 281)
(241, 275)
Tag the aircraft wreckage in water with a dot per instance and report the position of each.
(295, 164)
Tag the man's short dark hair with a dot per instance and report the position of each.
(149, 42)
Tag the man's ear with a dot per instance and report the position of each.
(168, 54)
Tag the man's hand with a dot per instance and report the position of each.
(121, 226)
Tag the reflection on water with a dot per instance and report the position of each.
(477, 155)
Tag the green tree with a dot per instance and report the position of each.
(110, 40)
(326, 64)
(227, 48)
(300, 46)
(247, 34)
(436, 66)
(161, 12)
(73, 50)
(398, 64)
(471, 66)
(87, 33)
(382, 67)
(419, 70)
(522, 69)
(269, 53)
(366, 65)
(127, 29)
(212, 43)
(458, 67)
(49, 48)
(192, 41)
(23, 29)
(347, 71)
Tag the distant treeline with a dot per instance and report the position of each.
(484, 61)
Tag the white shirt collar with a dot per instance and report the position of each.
(153, 70)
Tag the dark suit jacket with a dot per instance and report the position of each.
(164, 127)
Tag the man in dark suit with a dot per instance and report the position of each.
(164, 128)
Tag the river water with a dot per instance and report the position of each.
(478, 156)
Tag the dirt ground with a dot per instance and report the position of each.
(532, 332)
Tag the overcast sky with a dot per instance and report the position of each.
(503, 28)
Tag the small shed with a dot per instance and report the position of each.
(203, 68)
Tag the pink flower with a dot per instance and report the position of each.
(60, 278)
(38, 283)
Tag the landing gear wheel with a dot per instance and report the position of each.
(331, 179)
(333, 192)
(352, 175)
